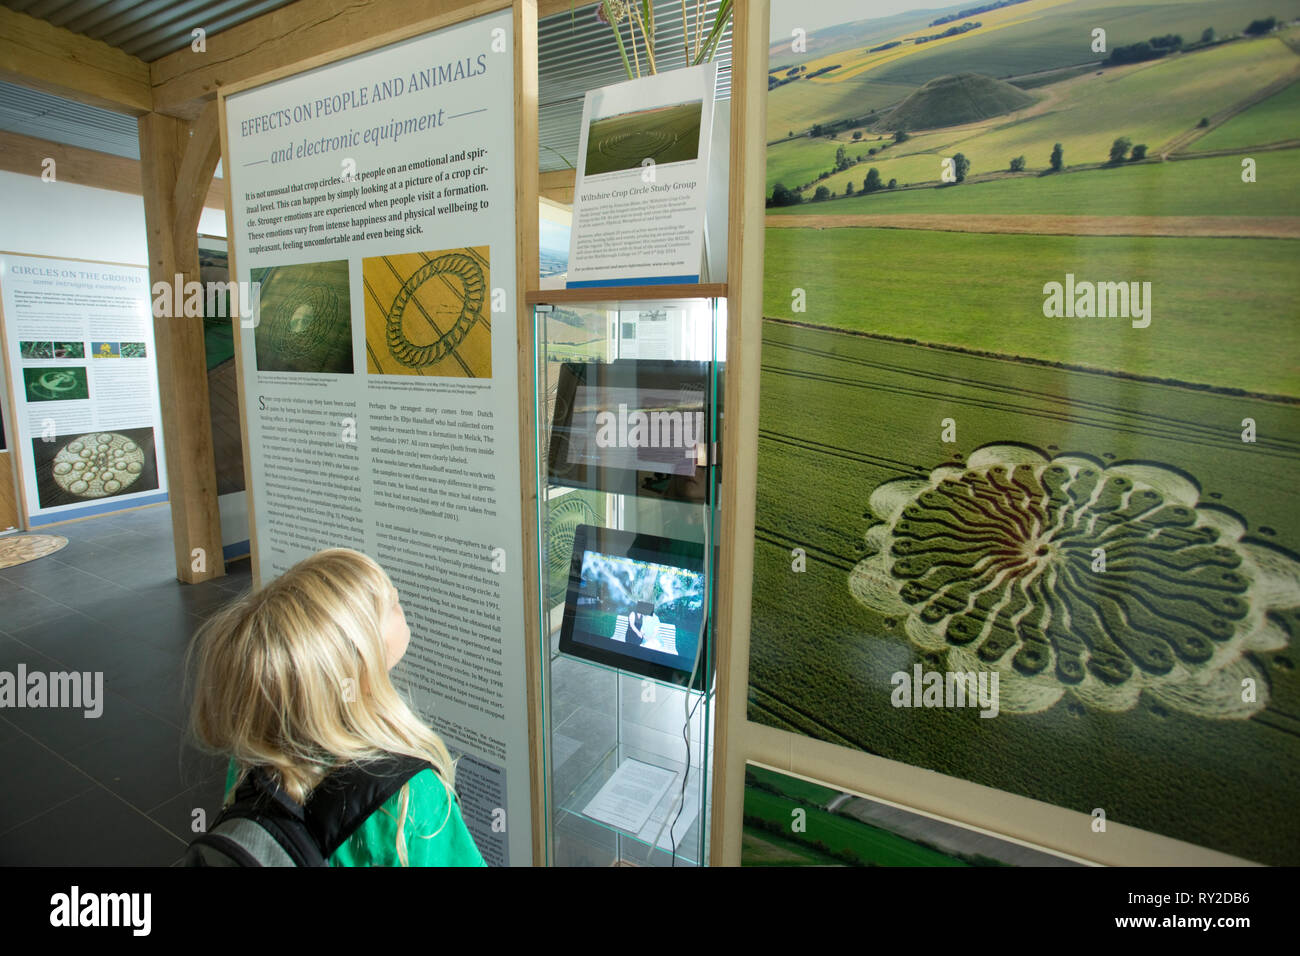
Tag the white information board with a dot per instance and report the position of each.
(373, 199)
(80, 357)
(641, 196)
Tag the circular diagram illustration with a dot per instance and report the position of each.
(423, 354)
(1065, 575)
(56, 384)
(98, 465)
(561, 526)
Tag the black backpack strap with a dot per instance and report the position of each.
(346, 798)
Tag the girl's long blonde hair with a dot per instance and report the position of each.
(293, 678)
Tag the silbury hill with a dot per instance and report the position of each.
(956, 100)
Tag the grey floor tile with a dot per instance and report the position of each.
(94, 828)
(46, 780)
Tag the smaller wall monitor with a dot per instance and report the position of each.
(637, 602)
(634, 427)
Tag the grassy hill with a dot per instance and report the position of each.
(955, 101)
(1039, 35)
(1150, 103)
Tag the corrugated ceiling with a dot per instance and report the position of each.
(148, 29)
(44, 116)
(576, 53)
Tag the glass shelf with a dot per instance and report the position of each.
(601, 713)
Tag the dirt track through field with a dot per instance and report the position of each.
(1254, 227)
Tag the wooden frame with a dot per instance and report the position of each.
(526, 232)
(738, 740)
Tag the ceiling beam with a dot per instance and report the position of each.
(84, 167)
(44, 57)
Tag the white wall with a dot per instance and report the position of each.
(78, 222)
(70, 221)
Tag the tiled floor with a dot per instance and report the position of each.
(120, 789)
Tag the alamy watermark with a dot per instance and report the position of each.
(57, 689)
(640, 429)
(924, 688)
(181, 299)
(1101, 300)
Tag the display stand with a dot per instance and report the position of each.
(600, 719)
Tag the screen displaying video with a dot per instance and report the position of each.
(635, 602)
(635, 426)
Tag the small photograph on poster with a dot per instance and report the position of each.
(69, 350)
(105, 350)
(306, 318)
(94, 465)
(665, 134)
(841, 828)
(134, 350)
(427, 313)
(36, 350)
(59, 384)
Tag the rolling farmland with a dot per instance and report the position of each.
(1147, 189)
(991, 298)
(1151, 103)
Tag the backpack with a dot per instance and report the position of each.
(264, 827)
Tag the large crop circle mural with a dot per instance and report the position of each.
(1066, 575)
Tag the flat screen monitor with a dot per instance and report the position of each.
(637, 602)
(634, 426)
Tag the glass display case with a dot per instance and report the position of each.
(628, 417)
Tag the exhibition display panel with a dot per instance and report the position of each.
(628, 418)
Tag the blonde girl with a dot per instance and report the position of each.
(293, 679)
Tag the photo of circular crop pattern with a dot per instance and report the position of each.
(427, 313)
(1068, 576)
(304, 319)
(564, 514)
(67, 384)
(94, 465)
(665, 134)
(97, 465)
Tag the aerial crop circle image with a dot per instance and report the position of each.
(427, 313)
(98, 465)
(423, 354)
(1068, 576)
(667, 134)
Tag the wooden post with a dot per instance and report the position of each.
(740, 438)
(177, 160)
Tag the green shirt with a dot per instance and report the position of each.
(374, 843)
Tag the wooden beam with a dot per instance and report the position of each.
(10, 513)
(86, 167)
(45, 57)
(176, 155)
(558, 186)
(291, 39)
(526, 240)
(740, 437)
